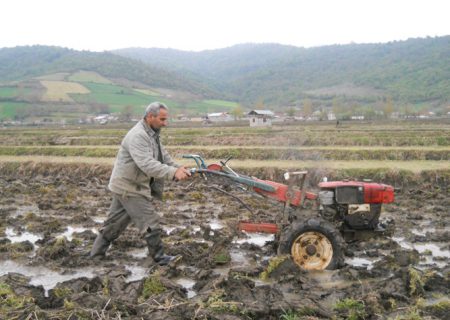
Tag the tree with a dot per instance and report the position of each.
(237, 112)
(388, 108)
(100, 108)
(126, 113)
(291, 112)
(259, 105)
(337, 108)
(307, 108)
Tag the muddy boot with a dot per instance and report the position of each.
(99, 247)
(156, 249)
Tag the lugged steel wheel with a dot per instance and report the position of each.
(312, 251)
(314, 245)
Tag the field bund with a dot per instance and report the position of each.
(388, 152)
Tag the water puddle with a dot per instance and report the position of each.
(41, 275)
(435, 250)
(188, 284)
(137, 272)
(24, 236)
(98, 219)
(329, 279)
(361, 262)
(425, 249)
(71, 230)
(423, 231)
(168, 229)
(258, 239)
(139, 253)
(216, 224)
(238, 258)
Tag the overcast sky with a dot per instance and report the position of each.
(196, 25)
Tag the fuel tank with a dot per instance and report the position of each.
(358, 192)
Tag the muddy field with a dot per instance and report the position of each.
(49, 215)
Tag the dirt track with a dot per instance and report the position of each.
(48, 224)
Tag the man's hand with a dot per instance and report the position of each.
(182, 173)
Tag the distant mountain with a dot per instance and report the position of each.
(411, 71)
(22, 63)
(370, 79)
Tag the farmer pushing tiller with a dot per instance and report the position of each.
(313, 238)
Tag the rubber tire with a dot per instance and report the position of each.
(291, 233)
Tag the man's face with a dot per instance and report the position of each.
(159, 121)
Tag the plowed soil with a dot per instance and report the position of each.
(49, 219)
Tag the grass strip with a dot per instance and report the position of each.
(413, 166)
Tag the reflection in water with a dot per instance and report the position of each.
(99, 219)
(423, 248)
(24, 236)
(361, 262)
(435, 250)
(187, 284)
(71, 230)
(258, 239)
(216, 224)
(138, 253)
(137, 272)
(41, 275)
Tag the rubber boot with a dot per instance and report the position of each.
(100, 246)
(156, 248)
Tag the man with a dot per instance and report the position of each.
(141, 166)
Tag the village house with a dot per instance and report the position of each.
(260, 118)
(219, 117)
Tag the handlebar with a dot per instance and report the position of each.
(198, 160)
(224, 163)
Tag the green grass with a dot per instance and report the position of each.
(257, 153)
(209, 106)
(85, 76)
(222, 103)
(118, 97)
(112, 95)
(8, 92)
(395, 166)
(9, 109)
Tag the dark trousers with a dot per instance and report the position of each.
(125, 209)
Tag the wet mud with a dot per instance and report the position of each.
(49, 219)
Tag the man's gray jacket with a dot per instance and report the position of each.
(137, 164)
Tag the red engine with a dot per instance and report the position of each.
(357, 204)
(360, 192)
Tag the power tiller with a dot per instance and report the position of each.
(312, 226)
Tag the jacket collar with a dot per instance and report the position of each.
(151, 132)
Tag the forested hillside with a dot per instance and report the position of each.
(22, 63)
(373, 80)
(412, 71)
(41, 83)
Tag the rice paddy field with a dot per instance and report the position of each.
(54, 199)
(396, 147)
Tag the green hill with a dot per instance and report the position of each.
(25, 62)
(413, 71)
(53, 82)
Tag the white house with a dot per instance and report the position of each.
(331, 116)
(260, 118)
(219, 116)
